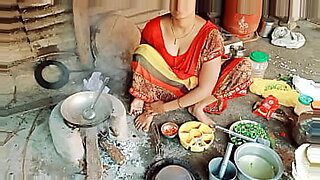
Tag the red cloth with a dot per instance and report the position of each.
(184, 65)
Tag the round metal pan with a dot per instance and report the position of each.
(158, 169)
(173, 172)
(63, 79)
(72, 109)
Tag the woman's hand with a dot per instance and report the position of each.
(155, 107)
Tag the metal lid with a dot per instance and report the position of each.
(259, 56)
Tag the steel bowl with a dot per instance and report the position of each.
(214, 168)
(242, 121)
(256, 161)
(233, 125)
(72, 108)
(169, 126)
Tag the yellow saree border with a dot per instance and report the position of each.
(156, 60)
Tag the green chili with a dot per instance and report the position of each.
(251, 130)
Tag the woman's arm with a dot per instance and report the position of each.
(208, 77)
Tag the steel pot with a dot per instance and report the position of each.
(214, 167)
(266, 27)
(256, 161)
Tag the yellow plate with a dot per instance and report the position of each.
(196, 136)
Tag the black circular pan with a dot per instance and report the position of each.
(155, 168)
(64, 78)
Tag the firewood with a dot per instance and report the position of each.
(115, 154)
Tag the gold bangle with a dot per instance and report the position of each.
(179, 104)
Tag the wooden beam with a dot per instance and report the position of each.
(9, 14)
(43, 12)
(13, 37)
(48, 21)
(57, 29)
(11, 26)
(8, 2)
(34, 3)
(18, 52)
(94, 165)
(82, 31)
(54, 41)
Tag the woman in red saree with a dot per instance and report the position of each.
(181, 66)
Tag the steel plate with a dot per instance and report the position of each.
(156, 170)
(173, 172)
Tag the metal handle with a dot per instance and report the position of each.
(225, 161)
(100, 91)
(235, 134)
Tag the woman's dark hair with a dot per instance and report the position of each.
(203, 7)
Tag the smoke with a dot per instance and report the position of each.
(117, 65)
(115, 39)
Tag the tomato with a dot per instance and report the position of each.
(169, 131)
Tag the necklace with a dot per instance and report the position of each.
(183, 36)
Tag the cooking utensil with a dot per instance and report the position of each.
(258, 140)
(89, 112)
(155, 138)
(155, 168)
(251, 129)
(255, 161)
(214, 167)
(266, 27)
(73, 107)
(196, 136)
(61, 69)
(225, 160)
(306, 128)
(173, 172)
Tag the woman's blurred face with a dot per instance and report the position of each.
(182, 8)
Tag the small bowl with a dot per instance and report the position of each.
(169, 129)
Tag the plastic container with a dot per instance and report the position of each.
(303, 104)
(259, 61)
(315, 105)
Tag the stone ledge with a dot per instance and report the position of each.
(41, 103)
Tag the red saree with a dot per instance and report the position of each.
(157, 75)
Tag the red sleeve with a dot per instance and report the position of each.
(149, 30)
(213, 47)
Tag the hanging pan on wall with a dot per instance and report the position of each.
(59, 68)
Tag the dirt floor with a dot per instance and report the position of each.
(28, 150)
